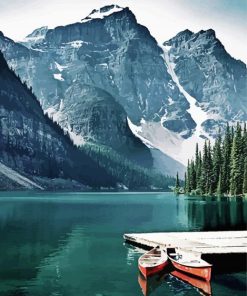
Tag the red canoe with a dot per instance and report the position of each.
(153, 262)
(190, 264)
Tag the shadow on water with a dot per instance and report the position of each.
(227, 263)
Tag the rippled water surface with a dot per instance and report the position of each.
(71, 243)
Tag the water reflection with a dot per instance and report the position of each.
(203, 286)
(169, 278)
(212, 213)
(132, 253)
(149, 285)
(73, 246)
(173, 280)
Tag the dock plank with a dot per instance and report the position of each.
(213, 242)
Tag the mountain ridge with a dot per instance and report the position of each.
(120, 56)
(217, 77)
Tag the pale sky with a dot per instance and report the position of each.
(164, 18)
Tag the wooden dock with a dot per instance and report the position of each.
(205, 243)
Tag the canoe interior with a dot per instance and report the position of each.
(152, 258)
(186, 259)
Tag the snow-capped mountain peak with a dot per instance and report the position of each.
(102, 12)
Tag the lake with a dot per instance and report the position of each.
(71, 243)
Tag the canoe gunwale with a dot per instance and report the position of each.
(152, 252)
(149, 269)
(208, 265)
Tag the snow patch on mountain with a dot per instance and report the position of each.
(78, 140)
(164, 162)
(60, 67)
(58, 76)
(155, 135)
(196, 112)
(102, 12)
(37, 49)
(137, 131)
(170, 101)
(76, 43)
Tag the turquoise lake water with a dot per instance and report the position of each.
(71, 244)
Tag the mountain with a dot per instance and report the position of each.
(214, 85)
(208, 73)
(110, 54)
(31, 145)
(107, 81)
(36, 153)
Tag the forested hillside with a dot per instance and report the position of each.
(129, 175)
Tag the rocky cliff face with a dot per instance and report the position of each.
(32, 144)
(210, 75)
(98, 118)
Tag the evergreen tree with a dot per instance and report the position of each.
(221, 169)
(210, 164)
(177, 181)
(236, 181)
(177, 184)
(219, 186)
(192, 176)
(185, 182)
(203, 179)
(245, 177)
(244, 141)
(188, 182)
(226, 162)
(199, 173)
(217, 162)
(232, 133)
(209, 186)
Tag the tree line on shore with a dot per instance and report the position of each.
(220, 169)
(126, 172)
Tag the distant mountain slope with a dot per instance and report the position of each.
(207, 72)
(31, 143)
(213, 83)
(36, 154)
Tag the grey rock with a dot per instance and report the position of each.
(115, 54)
(208, 73)
(32, 144)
